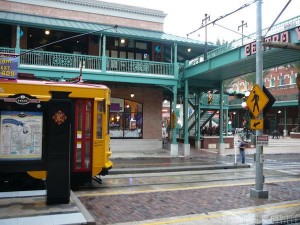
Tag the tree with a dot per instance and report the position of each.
(218, 42)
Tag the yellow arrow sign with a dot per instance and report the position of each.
(257, 124)
(256, 101)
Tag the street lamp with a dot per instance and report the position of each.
(276, 122)
(247, 93)
(244, 105)
(246, 116)
(230, 127)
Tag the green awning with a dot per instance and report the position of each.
(82, 27)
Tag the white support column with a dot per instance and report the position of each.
(174, 150)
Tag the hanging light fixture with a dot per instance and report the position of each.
(47, 32)
(132, 95)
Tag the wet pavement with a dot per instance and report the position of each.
(268, 214)
(166, 201)
(275, 146)
(215, 202)
(30, 208)
(162, 205)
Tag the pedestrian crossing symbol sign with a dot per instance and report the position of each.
(257, 101)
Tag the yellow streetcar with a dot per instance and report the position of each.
(56, 131)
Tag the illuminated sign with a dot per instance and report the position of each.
(8, 66)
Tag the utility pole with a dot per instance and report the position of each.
(204, 23)
(257, 191)
(242, 28)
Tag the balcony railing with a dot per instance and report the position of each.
(66, 60)
(139, 66)
(215, 100)
(7, 50)
(55, 59)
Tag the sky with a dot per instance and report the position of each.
(185, 16)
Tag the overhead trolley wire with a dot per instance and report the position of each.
(284, 8)
(222, 17)
(232, 30)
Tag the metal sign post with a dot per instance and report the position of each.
(257, 191)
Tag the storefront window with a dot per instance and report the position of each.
(126, 119)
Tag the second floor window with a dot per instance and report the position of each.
(281, 81)
(272, 82)
(293, 79)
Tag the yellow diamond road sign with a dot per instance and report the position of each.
(257, 101)
(257, 124)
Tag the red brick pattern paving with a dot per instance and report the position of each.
(144, 206)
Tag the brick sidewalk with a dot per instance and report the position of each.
(143, 206)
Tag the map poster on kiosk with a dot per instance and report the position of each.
(21, 135)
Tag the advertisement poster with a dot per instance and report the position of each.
(21, 135)
(117, 105)
(8, 66)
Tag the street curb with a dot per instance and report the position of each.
(89, 218)
(116, 171)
